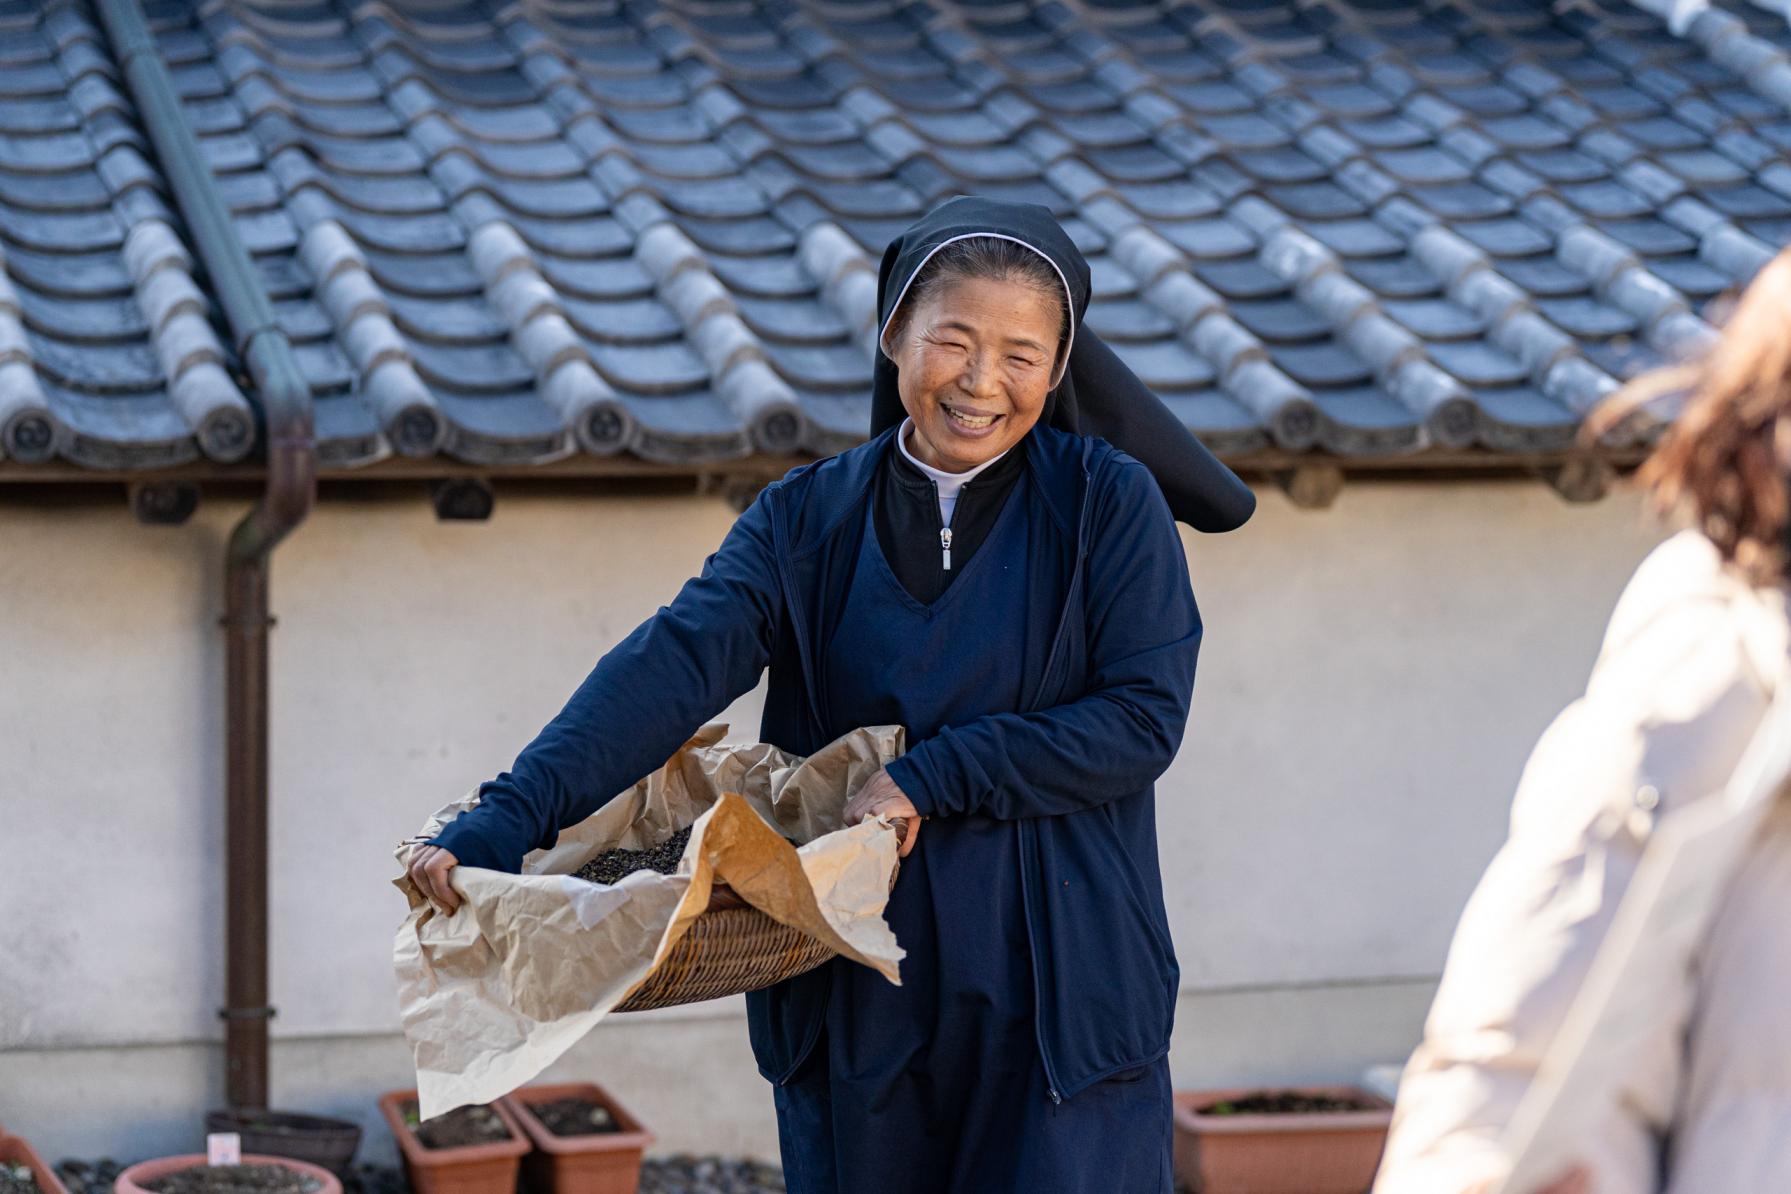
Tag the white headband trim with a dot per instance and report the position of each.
(1069, 301)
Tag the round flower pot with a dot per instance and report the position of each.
(1301, 1152)
(318, 1139)
(15, 1151)
(592, 1163)
(132, 1179)
(464, 1169)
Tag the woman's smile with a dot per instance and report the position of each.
(969, 422)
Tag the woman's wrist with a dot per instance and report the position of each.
(905, 772)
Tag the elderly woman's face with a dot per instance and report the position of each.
(975, 364)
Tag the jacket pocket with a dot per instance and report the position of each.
(1107, 975)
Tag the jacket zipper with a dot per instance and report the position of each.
(1038, 1001)
(1038, 1020)
(944, 531)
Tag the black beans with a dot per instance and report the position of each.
(611, 865)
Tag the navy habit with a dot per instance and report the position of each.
(1045, 689)
(1097, 638)
(938, 1085)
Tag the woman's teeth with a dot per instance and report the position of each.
(975, 422)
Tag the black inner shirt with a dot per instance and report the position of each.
(906, 511)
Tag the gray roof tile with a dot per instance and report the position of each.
(511, 235)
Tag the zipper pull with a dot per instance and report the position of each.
(945, 546)
(1055, 1097)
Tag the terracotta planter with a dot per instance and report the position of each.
(468, 1169)
(598, 1163)
(1318, 1152)
(132, 1179)
(14, 1151)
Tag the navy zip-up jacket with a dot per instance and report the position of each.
(1112, 640)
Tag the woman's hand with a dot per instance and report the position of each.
(429, 871)
(882, 797)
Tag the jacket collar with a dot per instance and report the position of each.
(913, 479)
(827, 494)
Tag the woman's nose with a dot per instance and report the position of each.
(980, 378)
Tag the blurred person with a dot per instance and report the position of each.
(1689, 661)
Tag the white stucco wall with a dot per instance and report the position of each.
(1371, 681)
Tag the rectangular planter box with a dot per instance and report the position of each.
(470, 1169)
(14, 1151)
(600, 1163)
(319, 1139)
(1326, 1152)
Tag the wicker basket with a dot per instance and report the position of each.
(724, 952)
(731, 950)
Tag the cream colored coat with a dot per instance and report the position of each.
(1681, 682)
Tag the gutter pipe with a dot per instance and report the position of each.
(289, 493)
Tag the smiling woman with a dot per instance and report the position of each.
(998, 570)
(979, 338)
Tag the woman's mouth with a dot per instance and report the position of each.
(969, 422)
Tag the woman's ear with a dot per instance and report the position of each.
(890, 339)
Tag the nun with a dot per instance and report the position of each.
(998, 569)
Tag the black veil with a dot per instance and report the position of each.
(1097, 393)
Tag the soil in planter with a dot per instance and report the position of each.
(1283, 1102)
(478, 1124)
(611, 865)
(575, 1117)
(17, 1179)
(255, 1178)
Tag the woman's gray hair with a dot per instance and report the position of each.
(995, 258)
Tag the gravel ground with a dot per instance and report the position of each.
(88, 1177)
(679, 1174)
(684, 1174)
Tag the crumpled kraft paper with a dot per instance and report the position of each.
(491, 996)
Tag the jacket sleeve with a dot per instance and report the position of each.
(642, 700)
(1143, 633)
(1667, 714)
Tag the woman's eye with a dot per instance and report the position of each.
(1023, 361)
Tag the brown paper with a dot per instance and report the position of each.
(491, 996)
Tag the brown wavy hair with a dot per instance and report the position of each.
(1727, 457)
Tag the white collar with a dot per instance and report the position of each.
(951, 482)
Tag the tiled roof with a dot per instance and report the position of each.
(514, 234)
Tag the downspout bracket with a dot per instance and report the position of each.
(247, 1013)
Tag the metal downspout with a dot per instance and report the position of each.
(285, 403)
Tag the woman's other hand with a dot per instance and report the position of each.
(429, 871)
(881, 797)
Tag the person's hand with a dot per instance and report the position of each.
(881, 797)
(429, 871)
(1576, 1181)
